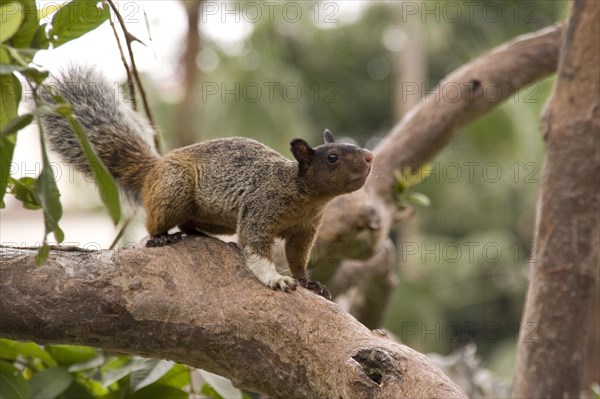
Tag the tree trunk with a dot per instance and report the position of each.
(564, 264)
(195, 302)
(184, 132)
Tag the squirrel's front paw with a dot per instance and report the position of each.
(266, 272)
(316, 287)
(284, 283)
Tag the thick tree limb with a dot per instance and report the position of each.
(195, 302)
(564, 266)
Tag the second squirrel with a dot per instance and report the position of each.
(222, 186)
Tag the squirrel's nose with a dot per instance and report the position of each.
(368, 156)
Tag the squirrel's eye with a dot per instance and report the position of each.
(332, 158)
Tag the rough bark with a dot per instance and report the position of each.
(564, 266)
(196, 303)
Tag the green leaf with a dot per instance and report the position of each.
(11, 96)
(22, 58)
(16, 124)
(12, 383)
(221, 384)
(45, 109)
(106, 185)
(35, 75)
(408, 177)
(27, 30)
(152, 370)
(210, 392)
(418, 199)
(76, 391)
(12, 349)
(595, 388)
(67, 355)
(50, 383)
(40, 39)
(4, 56)
(49, 9)
(116, 374)
(87, 365)
(43, 253)
(11, 15)
(48, 196)
(31, 73)
(178, 376)
(10, 87)
(24, 191)
(7, 147)
(77, 18)
(159, 391)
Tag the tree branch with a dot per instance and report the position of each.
(463, 96)
(129, 38)
(564, 265)
(195, 302)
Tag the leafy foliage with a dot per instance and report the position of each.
(22, 36)
(28, 370)
(404, 183)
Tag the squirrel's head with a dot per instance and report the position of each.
(331, 168)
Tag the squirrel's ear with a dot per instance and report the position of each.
(302, 152)
(328, 136)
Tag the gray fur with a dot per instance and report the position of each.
(116, 132)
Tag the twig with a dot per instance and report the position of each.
(121, 231)
(129, 38)
(130, 85)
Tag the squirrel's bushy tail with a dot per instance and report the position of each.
(117, 133)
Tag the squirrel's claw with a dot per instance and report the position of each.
(163, 239)
(285, 284)
(316, 287)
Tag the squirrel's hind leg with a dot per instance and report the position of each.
(168, 199)
(188, 228)
(160, 240)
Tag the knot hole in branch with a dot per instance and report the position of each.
(475, 88)
(375, 363)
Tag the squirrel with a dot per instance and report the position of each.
(221, 186)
